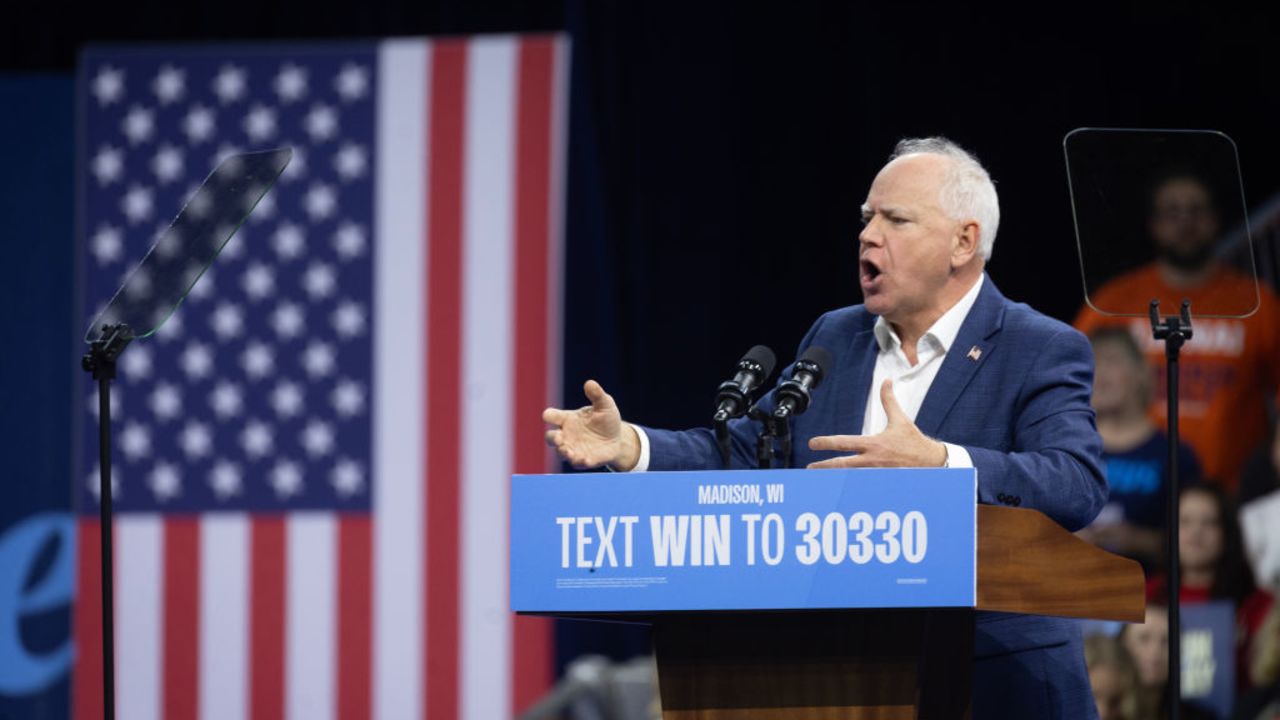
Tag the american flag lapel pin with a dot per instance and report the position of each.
(974, 353)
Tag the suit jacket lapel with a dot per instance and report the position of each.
(856, 370)
(972, 347)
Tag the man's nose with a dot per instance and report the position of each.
(870, 234)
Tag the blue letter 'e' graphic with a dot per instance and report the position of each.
(22, 673)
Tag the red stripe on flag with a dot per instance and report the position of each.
(268, 545)
(531, 637)
(181, 649)
(355, 602)
(444, 346)
(86, 677)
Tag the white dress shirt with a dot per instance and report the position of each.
(910, 382)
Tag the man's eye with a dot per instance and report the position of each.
(897, 220)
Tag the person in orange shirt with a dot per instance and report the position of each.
(1230, 366)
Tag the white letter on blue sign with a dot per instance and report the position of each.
(772, 551)
(564, 523)
(670, 533)
(716, 535)
(583, 542)
(606, 541)
(751, 519)
(628, 521)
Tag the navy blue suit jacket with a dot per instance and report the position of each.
(1020, 406)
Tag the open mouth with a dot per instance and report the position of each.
(870, 271)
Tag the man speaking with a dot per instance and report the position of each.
(935, 368)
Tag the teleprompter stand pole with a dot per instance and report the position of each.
(1174, 331)
(100, 361)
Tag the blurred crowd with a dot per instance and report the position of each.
(1228, 461)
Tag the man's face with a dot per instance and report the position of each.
(1183, 223)
(1120, 381)
(906, 242)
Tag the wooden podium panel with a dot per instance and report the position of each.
(885, 664)
(854, 665)
(1028, 564)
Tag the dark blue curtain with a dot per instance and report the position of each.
(37, 361)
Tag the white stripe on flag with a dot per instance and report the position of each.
(310, 617)
(555, 238)
(488, 246)
(224, 616)
(139, 615)
(398, 395)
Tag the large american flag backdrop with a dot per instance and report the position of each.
(313, 454)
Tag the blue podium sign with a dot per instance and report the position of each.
(760, 540)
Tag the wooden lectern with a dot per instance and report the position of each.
(883, 664)
(888, 635)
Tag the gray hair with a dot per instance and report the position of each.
(967, 190)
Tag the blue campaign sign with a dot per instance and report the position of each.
(768, 539)
(1209, 655)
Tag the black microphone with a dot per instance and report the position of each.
(793, 395)
(733, 397)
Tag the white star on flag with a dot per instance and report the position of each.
(108, 165)
(170, 85)
(137, 204)
(347, 478)
(286, 479)
(225, 480)
(167, 164)
(226, 400)
(291, 83)
(349, 241)
(350, 162)
(230, 84)
(108, 85)
(199, 124)
(260, 123)
(318, 281)
(321, 123)
(165, 481)
(352, 82)
(107, 244)
(139, 125)
(288, 241)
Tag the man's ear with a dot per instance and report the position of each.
(964, 244)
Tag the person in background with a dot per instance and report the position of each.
(1213, 566)
(1260, 512)
(1134, 451)
(1261, 474)
(1148, 644)
(1231, 366)
(1263, 702)
(1112, 676)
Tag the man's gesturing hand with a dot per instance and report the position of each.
(901, 444)
(594, 435)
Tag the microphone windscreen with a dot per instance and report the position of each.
(820, 358)
(762, 356)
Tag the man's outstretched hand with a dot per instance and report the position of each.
(900, 444)
(593, 435)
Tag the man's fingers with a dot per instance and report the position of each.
(892, 410)
(844, 443)
(600, 399)
(844, 461)
(555, 416)
(553, 438)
